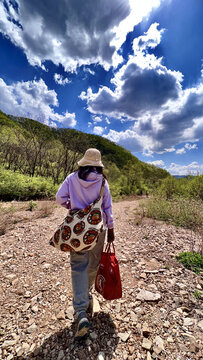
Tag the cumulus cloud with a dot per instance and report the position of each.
(97, 119)
(33, 99)
(193, 168)
(98, 130)
(149, 94)
(186, 147)
(181, 151)
(159, 163)
(59, 79)
(70, 32)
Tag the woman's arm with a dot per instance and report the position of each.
(62, 195)
(107, 208)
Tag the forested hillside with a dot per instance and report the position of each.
(36, 150)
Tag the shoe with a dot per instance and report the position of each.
(82, 326)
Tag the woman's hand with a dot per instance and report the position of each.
(110, 236)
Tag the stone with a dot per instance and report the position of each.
(11, 277)
(149, 356)
(101, 356)
(35, 309)
(32, 328)
(146, 344)
(60, 355)
(146, 330)
(145, 295)
(69, 313)
(169, 339)
(25, 346)
(188, 322)
(93, 335)
(133, 316)
(8, 343)
(96, 306)
(158, 345)
(124, 336)
(61, 315)
(200, 324)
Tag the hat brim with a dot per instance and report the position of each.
(84, 162)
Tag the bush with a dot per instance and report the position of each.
(191, 260)
(187, 213)
(15, 186)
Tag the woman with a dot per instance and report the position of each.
(79, 190)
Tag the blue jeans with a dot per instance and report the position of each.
(83, 272)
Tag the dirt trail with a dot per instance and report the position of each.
(159, 317)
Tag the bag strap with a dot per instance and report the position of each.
(108, 248)
(102, 187)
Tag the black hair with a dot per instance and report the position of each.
(83, 171)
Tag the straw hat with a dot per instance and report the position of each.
(92, 157)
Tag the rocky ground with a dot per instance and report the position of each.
(160, 315)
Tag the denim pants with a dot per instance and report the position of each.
(84, 266)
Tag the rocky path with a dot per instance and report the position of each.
(159, 317)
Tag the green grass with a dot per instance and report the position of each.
(181, 212)
(191, 260)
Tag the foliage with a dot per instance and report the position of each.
(187, 213)
(32, 205)
(197, 294)
(191, 186)
(191, 260)
(14, 185)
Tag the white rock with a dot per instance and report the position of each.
(101, 356)
(159, 343)
(93, 335)
(8, 343)
(148, 296)
(188, 321)
(200, 324)
(96, 306)
(149, 356)
(32, 328)
(146, 344)
(124, 336)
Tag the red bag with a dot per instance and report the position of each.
(108, 281)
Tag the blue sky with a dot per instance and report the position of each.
(128, 70)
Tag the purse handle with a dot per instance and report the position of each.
(108, 248)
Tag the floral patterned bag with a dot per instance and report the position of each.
(80, 228)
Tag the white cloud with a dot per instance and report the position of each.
(150, 95)
(191, 169)
(186, 147)
(72, 33)
(97, 119)
(98, 130)
(191, 147)
(33, 99)
(159, 163)
(59, 79)
(180, 151)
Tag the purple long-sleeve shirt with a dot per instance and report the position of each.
(75, 193)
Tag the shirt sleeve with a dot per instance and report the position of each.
(107, 206)
(63, 195)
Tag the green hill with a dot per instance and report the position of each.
(36, 150)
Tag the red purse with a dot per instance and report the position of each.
(108, 281)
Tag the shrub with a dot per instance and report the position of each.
(187, 213)
(16, 186)
(191, 260)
